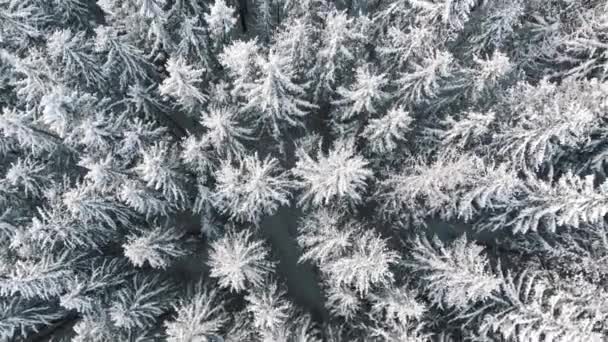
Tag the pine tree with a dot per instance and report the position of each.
(339, 175)
(425, 79)
(200, 316)
(159, 168)
(251, 189)
(449, 157)
(278, 101)
(19, 316)
(241, 58)
(457, 275)
(572, 201)
(336, 52)
(342, 301)
(140, 303)
(225, 133)
(239, 261)
(269, 308)
(364, 96)
(536, 134)
(532, 309)
(385, 133)
(324, 236)
(156, 247)
(74, 54)
(366, 265)
(123, 59)
(422, 190)
(183, 83)
(296, 42)
(18, 125)
(220, 19)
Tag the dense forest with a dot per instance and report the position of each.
(312, 170)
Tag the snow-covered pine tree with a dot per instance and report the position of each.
(339, 42)
(251, 189)
(274, 100)
(239, 261)
(183, 84)
(339, 175)
(366, 95)
(220, 20)
(449, 157)
(200, 315)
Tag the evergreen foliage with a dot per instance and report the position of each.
(295, 171)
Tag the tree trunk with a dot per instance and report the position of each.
(243, 13)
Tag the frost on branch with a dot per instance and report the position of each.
(276, 102)
(61, 108)
(160, 169)
(74, 54)
(296, 41)
(143, 200)
(151, 8)
(20, 21)
(192, 41)
(572, 201)
(299, 328)
(45, 278)
(365, 266)
(456, 275)
(339, 175)
(56, 226)
(575, 252)
(324, 235)
(385, 133)
(102, 174)
(499, 25)
(269, 307)
(124, 60)
(84, 204)
(196, 155)
(241, 59)
(18, 125)
(86, 293)
(400, 46)
(342, 301)
(398, 316)
(139, 303)
(201, 315)
(427, 188)
(251, 189)
(468, 130)
(220, 19)
(225, 133)
(366, 95)
(397, 305)
(530, 308)
(94, 328)
(138, 135)
(425, 79)
(19, 317)
(183, 84)
(499, 185)
(454, 14)
(265, 21)
(336, 52)
(489, 71)
(239, 260)
(157, 247)
(28, 176)
(548, 118)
